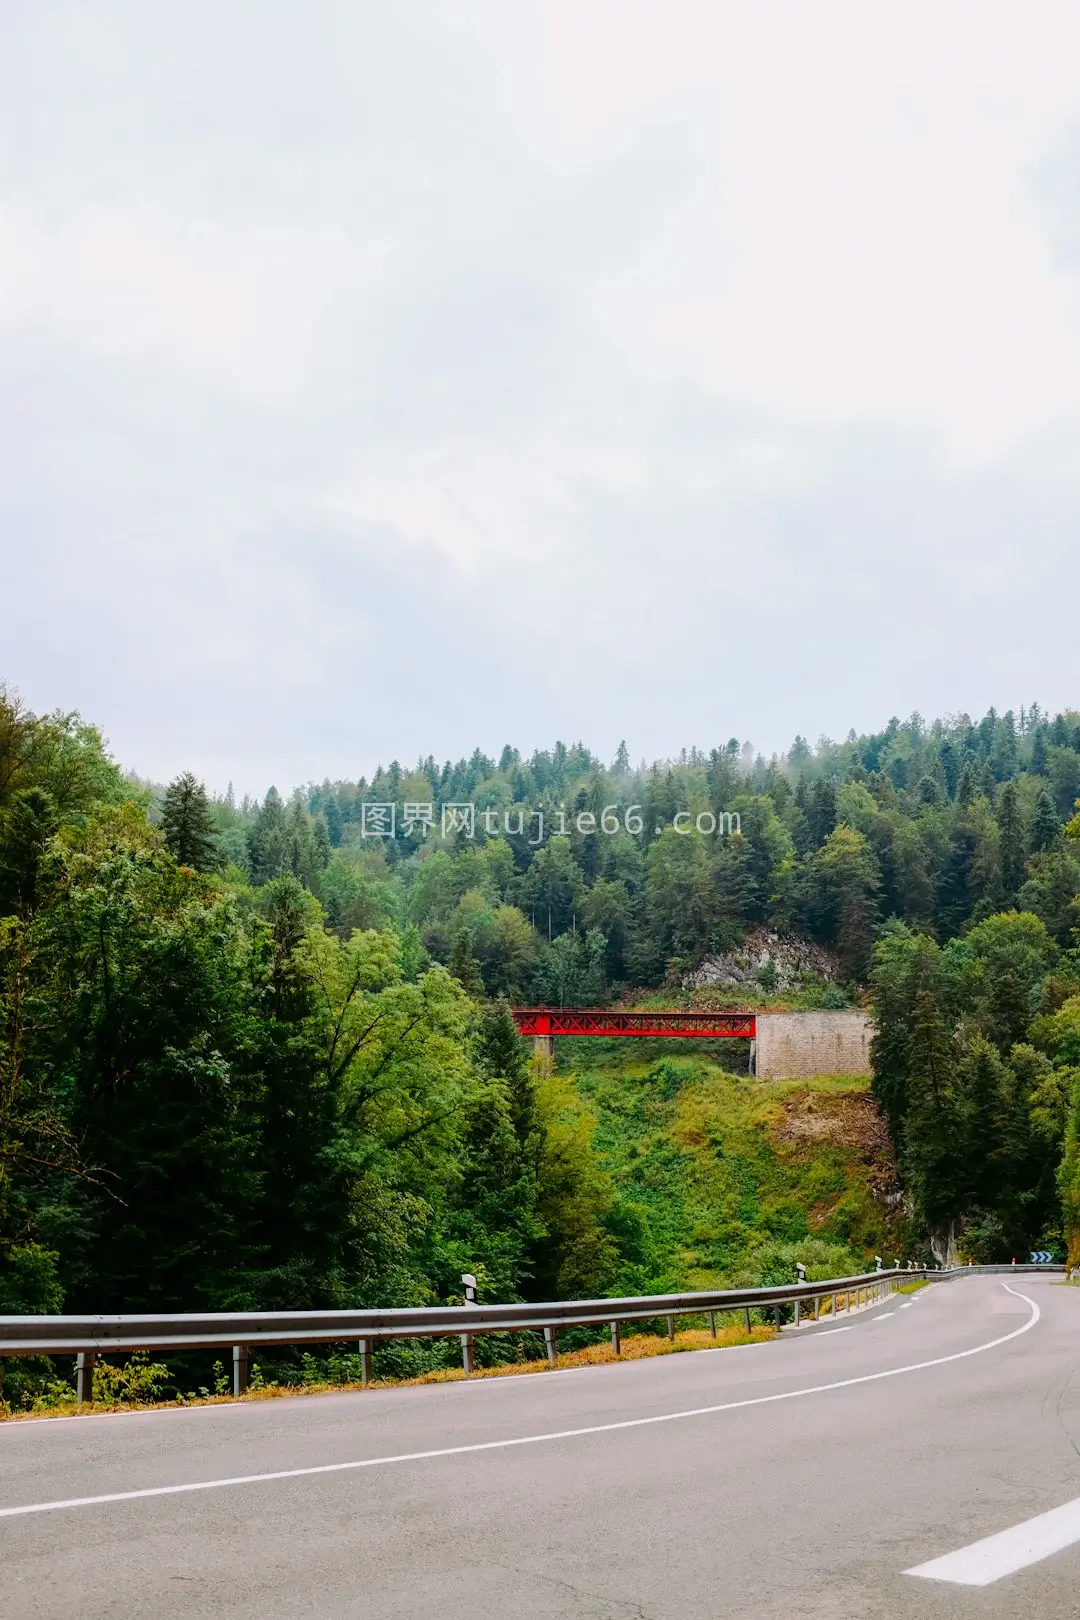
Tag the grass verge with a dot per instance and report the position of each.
(639, 1347)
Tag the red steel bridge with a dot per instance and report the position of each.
(544, 1022)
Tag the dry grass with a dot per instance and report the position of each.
(637, 1348)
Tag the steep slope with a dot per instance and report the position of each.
(720, 1178)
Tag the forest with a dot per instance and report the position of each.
(260, 1054)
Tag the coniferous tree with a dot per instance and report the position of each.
(933, 1156)
(1013, 853)
(268, 840)
(188, 824)
(1045, 825)
(821, 811)
(501, 1054)
(465, 968)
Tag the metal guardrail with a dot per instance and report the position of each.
(88, 1337)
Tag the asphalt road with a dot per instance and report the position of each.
(731, 1482)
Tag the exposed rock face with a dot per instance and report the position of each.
(767, 959)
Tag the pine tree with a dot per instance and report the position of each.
(188, 824)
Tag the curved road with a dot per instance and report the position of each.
(809, 1478)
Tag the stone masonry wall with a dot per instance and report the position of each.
(795, 1046)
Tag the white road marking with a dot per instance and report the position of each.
(526, 1439)
(906, 1306)
(884, 1316)
(989, 1560)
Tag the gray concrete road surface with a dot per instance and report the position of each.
(801, 1479)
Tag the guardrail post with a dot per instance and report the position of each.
(712, 1323)
(365, 1361)
(671, 1328)
(746, 1313)
(616, 1339)
(241, 1355)
(798, 1313)
(467, 1359)
(776, 1317)
(551, 1345)
(85, 1362)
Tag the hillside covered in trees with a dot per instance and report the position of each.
(259, 1054)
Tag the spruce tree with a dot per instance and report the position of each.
(933, 1156)
(1039, 762)
(821, 814)
(1045, 825)
(1013, 853)
(268, 840)
(501, 1054)
(188, 824)
(465, 968)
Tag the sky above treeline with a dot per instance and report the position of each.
(378, 380)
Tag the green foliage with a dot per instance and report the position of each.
(842, 885)
(712, 1173)
(973, 1079)
(29, 1281)
(1069, 1173)
(187, 824)
(255, 1057)
(139, 1381)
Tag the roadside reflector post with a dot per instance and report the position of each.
(616, 1339)
(85, 1362)
(551, 1345)
(365, 1361)
(468, 1283)
(240, 1358)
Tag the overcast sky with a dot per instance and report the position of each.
(378, 379)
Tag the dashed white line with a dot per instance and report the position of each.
(986, 1561)
(24, 1509)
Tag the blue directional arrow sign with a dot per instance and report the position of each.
(1041, 1258)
